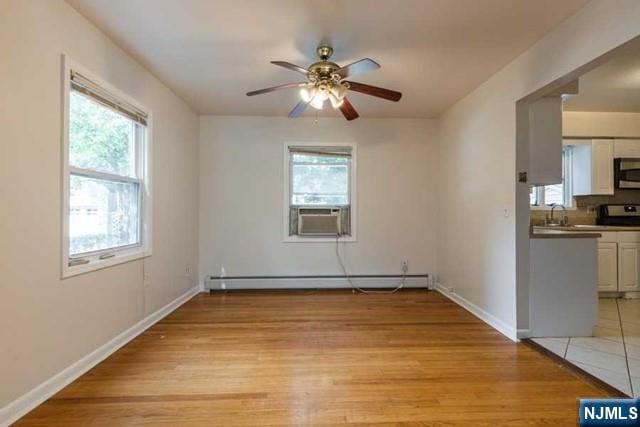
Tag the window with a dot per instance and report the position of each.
(106, 189)
(546, 195)
(319, 176)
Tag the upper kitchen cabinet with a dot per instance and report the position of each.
(545, 141)
(627, 148)
(592, 167)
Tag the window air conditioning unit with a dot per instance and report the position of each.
(318, 221)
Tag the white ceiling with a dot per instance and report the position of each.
(434, 51)
(614, 86)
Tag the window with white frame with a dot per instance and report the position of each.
(320, 177)
(547, 195)
(106, 188)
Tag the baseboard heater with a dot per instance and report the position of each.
(217, 283)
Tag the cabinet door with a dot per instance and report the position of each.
(627, 147)
(628, 263)
(607, 267)
(602, 166)
(545, 141)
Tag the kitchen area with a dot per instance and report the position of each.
(585, 228)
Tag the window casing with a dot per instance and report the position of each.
(320, 175)
(542, 197)
(107, 193)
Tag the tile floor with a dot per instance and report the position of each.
(613, 353)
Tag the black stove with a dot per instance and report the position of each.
(619, 215)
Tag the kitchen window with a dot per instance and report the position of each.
(106, 186)
(319, 177)
(542, 197)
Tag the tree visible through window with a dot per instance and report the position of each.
(320, 178)
(105, 175)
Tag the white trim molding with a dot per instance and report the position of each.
(30, 400)
(480, 313)
(523, 333)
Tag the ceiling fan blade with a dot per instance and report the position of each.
(279, 87)
(291, 66)
(359, 67)
(348, 111)
(380, 92)
(298, 109)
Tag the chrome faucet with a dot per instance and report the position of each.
(551, 220)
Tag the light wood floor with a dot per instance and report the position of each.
(327, 357)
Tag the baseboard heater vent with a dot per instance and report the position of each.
(381, 281)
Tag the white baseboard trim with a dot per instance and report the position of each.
(480, 313)
(28, 401)
(524, 333)
(256, 283)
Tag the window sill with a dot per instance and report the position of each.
(98, 264)
(298, 239)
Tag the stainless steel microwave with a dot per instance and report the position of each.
(627, 173)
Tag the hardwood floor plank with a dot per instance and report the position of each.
(320, 358)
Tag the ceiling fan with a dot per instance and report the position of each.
(326, 80)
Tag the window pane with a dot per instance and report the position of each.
(102, 214)
(325, 159)
(100, 138)
(533, 196)
(556, 193)
(320, 184)
(553, 194)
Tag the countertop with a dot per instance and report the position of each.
(563, 233)
(585, 228)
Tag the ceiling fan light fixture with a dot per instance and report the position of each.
(339, 90)
(326, 80)
(335, 101)
(307, 94)
(317, 102)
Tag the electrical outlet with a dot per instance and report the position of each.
(405, 266)
(188, 271)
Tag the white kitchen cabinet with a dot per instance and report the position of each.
(628, 263)
(627, 148)
(592, 168)
(618, 261)
(607, 267)
(545, 141)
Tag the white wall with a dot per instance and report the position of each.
(46, 324)
(587, 123)
(477, 159)
(242, 191)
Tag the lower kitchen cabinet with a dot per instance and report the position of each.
(628, 263)
(618, 261)
(607, 267)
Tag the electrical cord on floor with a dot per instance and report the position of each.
(355, 288)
